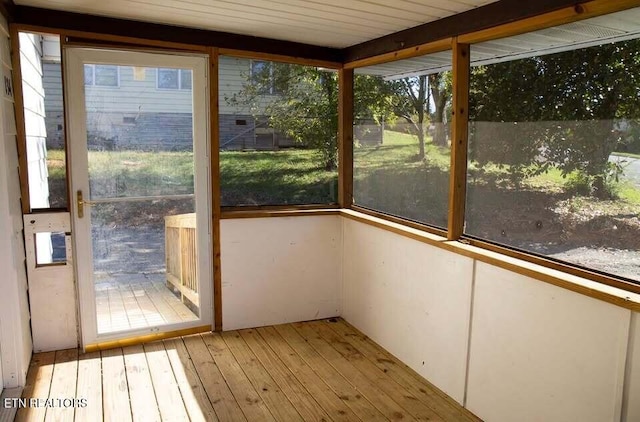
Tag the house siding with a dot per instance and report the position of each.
(138, 115)
(53, 105)
(34, 116)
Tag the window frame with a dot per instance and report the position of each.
(499, 254)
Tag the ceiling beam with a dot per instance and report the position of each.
(7, 9)
(61, 20)
(493, 14)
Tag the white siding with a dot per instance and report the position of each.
(15, 335)
(133, 96)
(34, 119)
(137, 96)
(232, 75)
(52, 86)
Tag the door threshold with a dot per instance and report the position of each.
(147, 338)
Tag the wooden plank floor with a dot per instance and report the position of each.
(313, 371)
(129, 304)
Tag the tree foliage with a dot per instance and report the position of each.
(560, 110)
(300, 102)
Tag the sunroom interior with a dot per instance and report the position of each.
(320, 210)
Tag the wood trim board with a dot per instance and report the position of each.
(345, 137)
(459, 143)
(216, 213)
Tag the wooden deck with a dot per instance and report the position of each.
(125, 305)
(313, 371)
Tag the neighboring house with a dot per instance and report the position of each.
(131, 116)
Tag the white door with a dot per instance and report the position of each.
(139, 152)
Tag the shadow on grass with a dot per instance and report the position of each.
(276, 178)
(417, 193)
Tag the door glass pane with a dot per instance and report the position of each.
(142, 202)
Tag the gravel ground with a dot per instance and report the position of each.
(625, 263)
(129, 250)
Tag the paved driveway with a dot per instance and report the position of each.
(631, 168)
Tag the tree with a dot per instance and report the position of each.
(300, 102)
(564, 108)
(412, 103)
(440, 90)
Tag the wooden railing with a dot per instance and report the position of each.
(180, 253)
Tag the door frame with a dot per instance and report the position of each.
(74, 59)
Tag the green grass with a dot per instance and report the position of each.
(629, 193)
(388, 177)
(289, 176)
(391, 178)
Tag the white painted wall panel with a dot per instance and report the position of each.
(631, 405)
(411, 298)
(279, 270)
(543, 353)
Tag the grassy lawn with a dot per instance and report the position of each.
(387, 177)
(391, 178)
(280, 177)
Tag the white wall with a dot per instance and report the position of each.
(412, 298)
(544, 353)
(281, 269)
(531, 351)
(631, 405)
(15, 337)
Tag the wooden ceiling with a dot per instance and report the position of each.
(328, 23)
